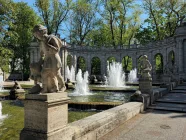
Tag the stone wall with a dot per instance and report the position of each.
(96, 126)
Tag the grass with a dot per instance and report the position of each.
(11, 126)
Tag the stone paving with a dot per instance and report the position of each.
(152, 125)
(160, 122)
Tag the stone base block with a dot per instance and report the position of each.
(44, 114)
(166, 79)
(145, 86)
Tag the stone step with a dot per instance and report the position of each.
(178, 91)
(171, 101)
(173, 98)
(172, 92)
(180, 87)
(170, 107)
(167, 108)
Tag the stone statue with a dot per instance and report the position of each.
(12, 92)
(35, 70)
(50, 64)
(146, 67)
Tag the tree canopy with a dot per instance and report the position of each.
(17, 21)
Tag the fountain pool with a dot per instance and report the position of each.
(103, 97)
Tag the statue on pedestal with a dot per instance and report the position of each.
(145, 81)
(50, 64)
(146, 68)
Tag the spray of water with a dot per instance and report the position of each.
(132, 78)
(81, 87)
(116, 76)
(1, 115)
(70, 73)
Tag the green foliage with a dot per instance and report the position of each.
(17, 21)
(69, 61)
(5, 55)
(81, 64)
(159, 63)
(127, 63)
(145, 35)
(95, 66)
(74, 115)
(13, 124)
(120, 20)
(164, 17)
(53, 13)
(111, 59)
(82, 20)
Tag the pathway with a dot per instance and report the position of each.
(165, 120)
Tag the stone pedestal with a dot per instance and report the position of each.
(44, 114)
(166, 78)
(145, 85)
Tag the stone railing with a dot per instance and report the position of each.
(162, 43)
(46, 118)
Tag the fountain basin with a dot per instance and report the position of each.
(98, 100)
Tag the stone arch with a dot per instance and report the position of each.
(110, 59)
(95, 66)
(158, 63)
(69, 60)
(81, 63)
(127, 63)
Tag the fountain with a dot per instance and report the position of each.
(81, 87)
(1, 115)
(1, 79)
(1, 82)
(115, 91)
(70, 73)
(132, 77)
(116, 76)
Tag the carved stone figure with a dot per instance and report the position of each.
(146, 67)
(35, 70)
(50, 67)
(12, 92)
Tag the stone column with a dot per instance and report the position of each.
(134, 63)
(180, 59)
(44, 115)
(88, 63)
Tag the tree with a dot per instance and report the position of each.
(5, 56)
(122, 21)
(5, 53)
(83, 20)
(164, 17)
(18, 34)
(53, 13)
